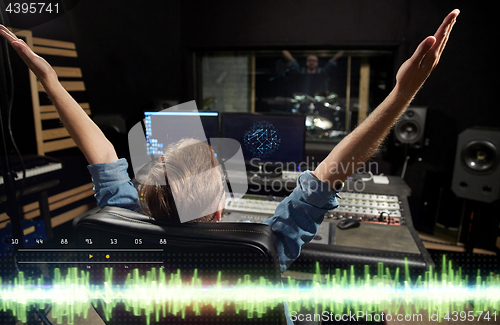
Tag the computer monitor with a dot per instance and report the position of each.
(164, 128)
(267, 138)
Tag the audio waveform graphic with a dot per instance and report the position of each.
(156, 294)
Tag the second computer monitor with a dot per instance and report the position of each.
(267, 138)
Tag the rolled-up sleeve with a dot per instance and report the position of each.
(112, 185)
(297, 217)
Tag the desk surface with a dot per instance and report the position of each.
(374, 236)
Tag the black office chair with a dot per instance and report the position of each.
(126, 240)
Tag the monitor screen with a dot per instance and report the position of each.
(164, 128)
(267, 138)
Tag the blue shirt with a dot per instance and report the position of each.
(295, 221)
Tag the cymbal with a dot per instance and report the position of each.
(303, 98)
(333, 106)
(325, 94)
(318, 122)
(326, 97)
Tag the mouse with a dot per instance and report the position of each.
(348, 224)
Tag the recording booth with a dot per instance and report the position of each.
(271, 89)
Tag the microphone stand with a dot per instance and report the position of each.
(407, 155)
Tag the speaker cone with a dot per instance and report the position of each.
(408, 131)
(480, 156)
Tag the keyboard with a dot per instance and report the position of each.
(36, 171)
(35, 166)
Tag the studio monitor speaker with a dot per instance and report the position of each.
(110, 123)
(476, 175)
(410, 127)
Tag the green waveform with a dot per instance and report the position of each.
(156, 294)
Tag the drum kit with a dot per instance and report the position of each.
(324, 116)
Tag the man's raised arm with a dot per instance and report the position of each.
(86, 134)
(362, 142)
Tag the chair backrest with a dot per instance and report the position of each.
(222, 254)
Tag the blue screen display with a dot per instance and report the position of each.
(267, 138)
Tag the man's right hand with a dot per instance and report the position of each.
(37, 64)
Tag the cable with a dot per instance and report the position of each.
(364, 179)
(9, 127)
(13, 208)
(10, 99)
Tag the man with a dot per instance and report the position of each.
(297, 218)
(312, 63)
(312, 79)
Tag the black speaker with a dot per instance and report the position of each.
(410, 127)
(476, 175)
(110, 122)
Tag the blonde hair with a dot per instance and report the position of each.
(183, 160)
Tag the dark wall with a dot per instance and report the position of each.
(132, 52)
(317, 23)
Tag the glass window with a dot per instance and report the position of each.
(336, 90)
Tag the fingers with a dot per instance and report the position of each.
(17, 44)
(448, 32)
(448, 20)
(7, 34)
(442, 34)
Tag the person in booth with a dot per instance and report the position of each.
(298, 216)
(312, 66)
